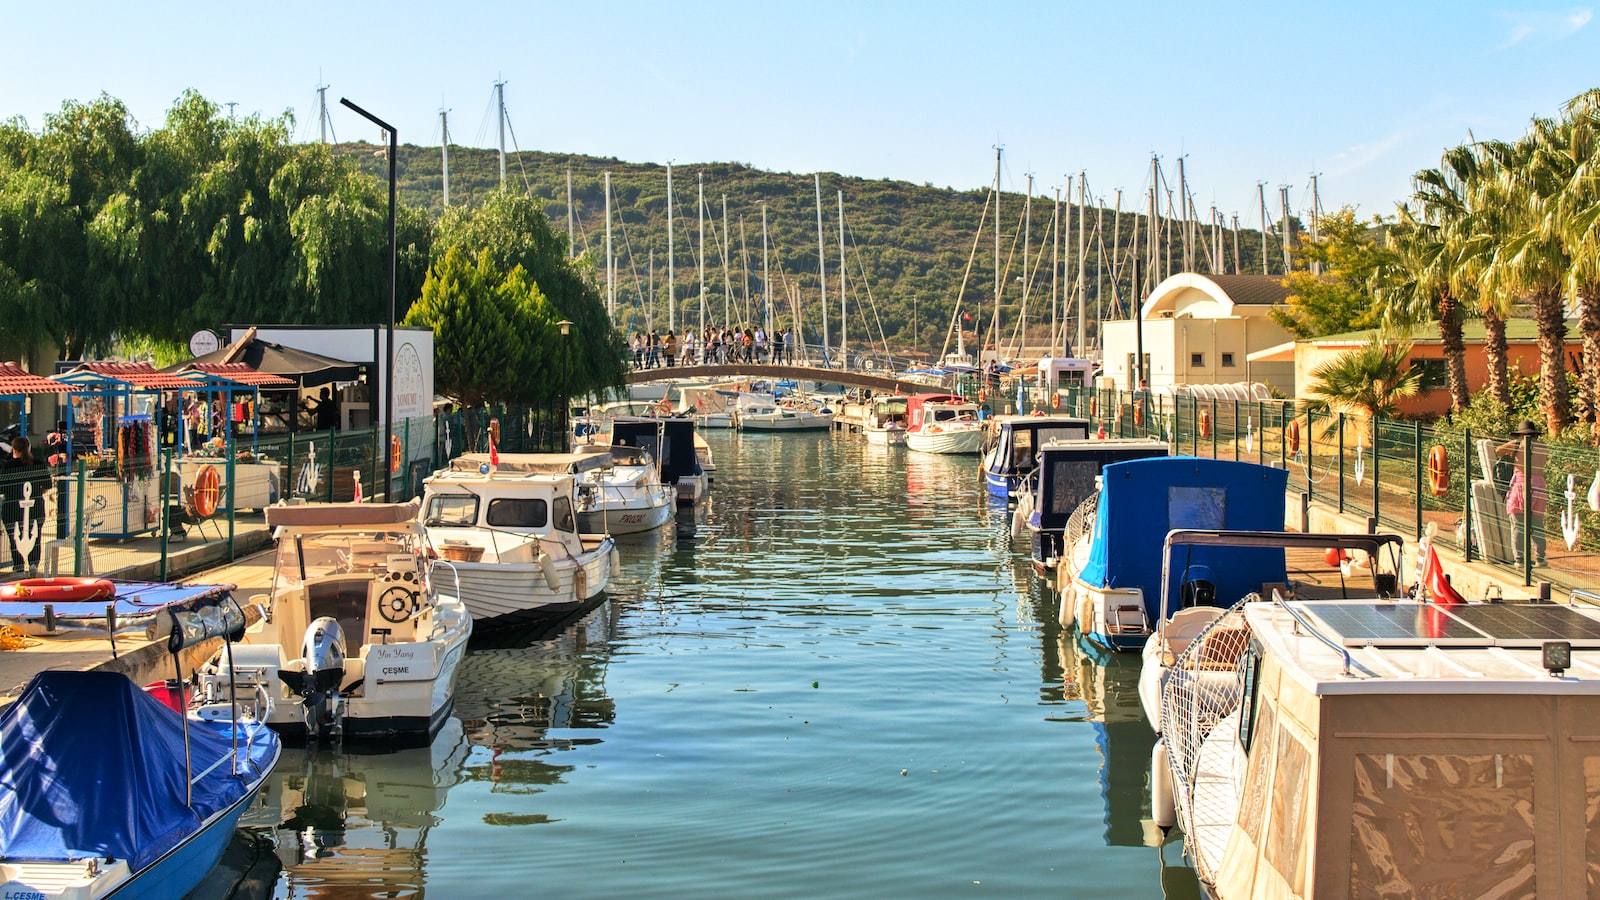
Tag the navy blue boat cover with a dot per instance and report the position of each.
(93, 766)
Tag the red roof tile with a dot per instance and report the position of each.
(13, 380)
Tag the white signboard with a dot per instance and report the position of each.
(400, 662)
(203, 342)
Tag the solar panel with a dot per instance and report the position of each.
(1396, 625)
(1529, 625)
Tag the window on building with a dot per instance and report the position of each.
(1435, 373)
(1227, 360)
(1197, 360)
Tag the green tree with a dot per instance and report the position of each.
(1340, 299)
(1369, 381)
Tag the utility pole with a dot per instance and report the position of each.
(500, 104)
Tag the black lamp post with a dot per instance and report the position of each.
(388, 347)
(566, 382)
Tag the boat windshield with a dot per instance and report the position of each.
(518, 512)
(452, 510)
(361, 553)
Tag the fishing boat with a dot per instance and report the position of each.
(886, 424)
(626, 496)
(784, 417)
(942, 423)
(507, 529)
(1374, 748)
(1012, 445)
(112, 793)
(1109, 574)
(675, 447)
(361, 638)
(1068, 474)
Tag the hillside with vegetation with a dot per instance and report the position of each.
(907, 245)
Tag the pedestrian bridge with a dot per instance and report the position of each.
(767, 371)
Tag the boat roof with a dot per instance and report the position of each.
(1080, 445)
(328, 516)
(1032, 422)
(596, 456)
(1467, 648)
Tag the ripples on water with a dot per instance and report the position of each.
(735, 720)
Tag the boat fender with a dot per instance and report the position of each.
(552, 579)
(58, 590)
(1016, 523)
(1163, 805)
(580, 583)
(616, 564)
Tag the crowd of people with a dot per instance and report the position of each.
(716, 345)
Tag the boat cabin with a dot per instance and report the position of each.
(1013, 442)
(1065, 373)
(925, 409)
(503, 514)
(671, 442)
(1068, 474)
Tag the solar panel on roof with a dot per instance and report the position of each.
(1511, 625)
(1396, 625)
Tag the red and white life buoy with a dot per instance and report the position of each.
(1205, 423)
(1293, 437)
(207, 491)
(394, 454)
(58, 590)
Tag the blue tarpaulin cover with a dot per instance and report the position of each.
(93, 766)
(1142, 500)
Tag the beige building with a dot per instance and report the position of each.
(1202, 329)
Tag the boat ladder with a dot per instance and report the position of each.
(1128, 618)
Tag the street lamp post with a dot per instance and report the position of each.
(566, 381)
(388, 347)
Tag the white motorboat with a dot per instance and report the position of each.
(672, 442)
(886, 424)
(360, 638)
(625, 497)
(781, 417)
(509, 532)
(943, 423)
(1375, 748)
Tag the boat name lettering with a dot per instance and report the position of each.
(11, 893)
(398, 662)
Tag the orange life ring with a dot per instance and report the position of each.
(664, 407)
(1293, 437)
(207, 491)
(1094, 406)
(1138, 412)
(1055, 402)
(1438, 470)
(394, 454)
(1205, 423)
(58, 590)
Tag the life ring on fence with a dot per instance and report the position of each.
(394, 454)
(664, 407)
(58, 590)
(1138, 413)
(1292, 437)
(207, 491)
(1438, 470)
(1055, 402)
(1205, 423)
(1094, 406)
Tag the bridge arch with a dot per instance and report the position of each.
(883, 383)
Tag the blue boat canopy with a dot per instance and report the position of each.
(95, 767)
(1141, 500)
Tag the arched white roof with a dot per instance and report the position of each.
(1212, 296)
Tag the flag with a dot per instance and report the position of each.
(357, 476)
(966, 316)
(494, 454)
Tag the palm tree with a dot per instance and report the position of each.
(1420, 289)
(1472, 242)
(1577, 219)
(1369, 381)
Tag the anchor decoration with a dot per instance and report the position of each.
(1249, 435)
(25, 534)
(1571, 520)
(1361, 460)
(1594, 492)
(310, 473)
(447, 441)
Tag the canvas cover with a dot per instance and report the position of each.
(338, 515)
(1068, 471)
(596, 457)
(670, 441)
(1142, 500)
(95, 767)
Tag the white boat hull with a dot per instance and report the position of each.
(960, 440)
(512, 593)
(796, 422)
(888, 437)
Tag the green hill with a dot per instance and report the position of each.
(908, 245)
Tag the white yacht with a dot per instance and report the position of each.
(684, 458)
(626, 496)
(509, 533)
(886, 424)
(943, 423)
(358, 637)
(783, 417)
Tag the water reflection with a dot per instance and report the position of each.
(1108, 686)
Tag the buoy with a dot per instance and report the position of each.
(1438, 470)
(1293, 437)
(580, 583)
(1333, 556)
(1055, 402)
(1101, 433)
(394, 454)
(58, 590)
(1138, 413)
(1016, 523)
(207, 491)
(1163, 805)
(616, 564)
(1205, 423)
(547, 566)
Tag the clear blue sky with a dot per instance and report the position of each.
(1363, 92)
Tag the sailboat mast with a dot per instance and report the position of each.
(1283, 199)
(672, 296)
(1027, 274)
(322, 112)
(1116, 248)
(444, 150)
(572, 221)
(611, 263)
(1099, 278)
(727, 278)
(1154, 228)
(700, 206)
(1188, 231)
(500, 104)
(1316, 212)
(844, 318)
(994, 326)
(1237, 262)
(1083, 259)
(1261, 198)
(822, 268)
(1055, 264)
(766, 272)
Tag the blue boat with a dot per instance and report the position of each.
(1110, 576)
(110, 792)
(1068, 474)
(1012, 445)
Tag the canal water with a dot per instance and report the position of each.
(838, 678)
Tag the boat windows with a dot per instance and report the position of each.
(519, 512)
(563, 515)
(1200, 508)
(1443, 824)
(1250, 693)
(452, 511)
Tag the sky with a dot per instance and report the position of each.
(1361, 93)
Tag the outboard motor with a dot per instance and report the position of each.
(323, 654)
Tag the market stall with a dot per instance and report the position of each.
(282, 408)
(230, 392)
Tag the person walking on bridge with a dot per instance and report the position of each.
(761, 344)
(688, 346)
